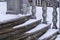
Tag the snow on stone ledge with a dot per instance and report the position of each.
(49, 33)
(26, 23)
(38, 27)
(6, 18)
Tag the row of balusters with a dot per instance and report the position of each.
(44, 14)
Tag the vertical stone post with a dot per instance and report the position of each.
(34, 9)
(54, 14)
(25, 7)
(44, 14)
(13, 6)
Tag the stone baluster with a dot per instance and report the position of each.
(33, 9)
(44, 14)
(54, 20)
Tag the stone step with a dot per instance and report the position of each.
(53, 38)
(58, 37)
(14, 22)
(49, 34)
(35, 32)
(19, 29)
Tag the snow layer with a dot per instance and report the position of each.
(39, 27)
(49, 33)
(7, 17)
(26, 23)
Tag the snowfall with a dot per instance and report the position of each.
(4, 17)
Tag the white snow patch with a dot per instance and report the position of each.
(6, 18)
(3, 7)
(48, 34)
(26, 23)
(39, 27)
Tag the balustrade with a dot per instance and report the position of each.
(22, 6)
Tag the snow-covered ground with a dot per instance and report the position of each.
(3, 9)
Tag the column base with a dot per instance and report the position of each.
(54, 27)
(44, 22)
(12, 12)
(33, 17)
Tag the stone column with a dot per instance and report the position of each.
(44, 14)
(13, 6)
(34, 9)
(54, 14)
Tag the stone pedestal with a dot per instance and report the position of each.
(25, 7)
(13, 6)
(17, 6)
